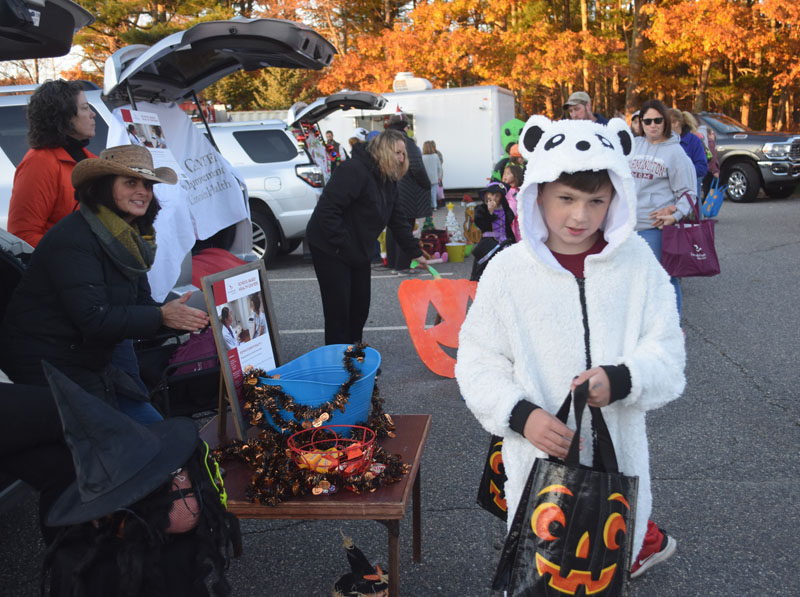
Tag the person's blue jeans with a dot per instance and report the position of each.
(653, 238)
(141, 412)
(124, 357)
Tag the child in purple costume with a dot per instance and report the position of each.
(494, 218)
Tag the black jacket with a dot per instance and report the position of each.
(356, 204)
(415, 186)
(73, 306)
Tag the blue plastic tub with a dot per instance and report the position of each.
(313, 379)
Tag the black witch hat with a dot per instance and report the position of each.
(117, 460)
(363, 578)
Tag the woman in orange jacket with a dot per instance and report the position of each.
(61, 123)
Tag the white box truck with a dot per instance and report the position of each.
(463, 121)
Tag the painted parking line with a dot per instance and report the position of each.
(374, 276)
(388, 328)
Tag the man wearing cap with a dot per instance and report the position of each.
(579, 107)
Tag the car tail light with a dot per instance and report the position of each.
(310, 174)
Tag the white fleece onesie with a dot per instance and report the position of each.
(523, 337)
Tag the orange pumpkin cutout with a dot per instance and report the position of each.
(584, 564)
(450, 299)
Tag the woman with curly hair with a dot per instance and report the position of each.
(61, 123)
(85, 290)
(359, 200)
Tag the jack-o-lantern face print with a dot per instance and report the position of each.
(589, 557)
(450, 299)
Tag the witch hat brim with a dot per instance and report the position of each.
(117, 460)
(493, 187)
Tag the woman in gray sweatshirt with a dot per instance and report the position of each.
(665, 179)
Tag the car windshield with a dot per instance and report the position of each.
(725, 124)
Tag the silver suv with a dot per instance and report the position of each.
(283, 183)
(276, 161)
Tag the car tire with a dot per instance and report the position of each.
(743, 182)
(781, 191)
(289, 245)
(265, 235)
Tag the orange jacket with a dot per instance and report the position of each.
(42, 193)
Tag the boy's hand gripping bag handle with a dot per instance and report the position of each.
(605, 456)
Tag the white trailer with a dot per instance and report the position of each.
(464, 122)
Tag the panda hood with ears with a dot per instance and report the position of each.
(554, 147)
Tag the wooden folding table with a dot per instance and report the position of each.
(386, 505)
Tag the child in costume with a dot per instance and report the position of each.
(509, 138)
(513, 176)
(580, 298)
(494, 218)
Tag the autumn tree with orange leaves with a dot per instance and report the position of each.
(733, 56)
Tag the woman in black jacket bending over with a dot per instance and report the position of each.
(86, 287)
(359, 200)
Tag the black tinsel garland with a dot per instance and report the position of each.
(259, 398)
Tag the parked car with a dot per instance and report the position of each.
(283, 171)
(752, 160)
(283, 184)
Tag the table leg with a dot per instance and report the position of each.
(393, 528)
(416, 508)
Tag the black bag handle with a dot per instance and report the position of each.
(603, 445)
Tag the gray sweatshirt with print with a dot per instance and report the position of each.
(664, 175)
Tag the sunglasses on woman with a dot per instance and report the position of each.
(649, 121)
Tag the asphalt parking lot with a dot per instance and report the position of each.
(723, 457)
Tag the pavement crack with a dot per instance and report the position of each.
(748, 376)
(766, 249)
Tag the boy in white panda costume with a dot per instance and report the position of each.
(581, 287)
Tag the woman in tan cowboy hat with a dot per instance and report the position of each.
(86, 287)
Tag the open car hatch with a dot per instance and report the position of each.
(189, 61)
(343, 100)
(39, 28)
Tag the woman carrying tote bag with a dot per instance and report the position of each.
(665, 179)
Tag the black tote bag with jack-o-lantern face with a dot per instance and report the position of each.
(572, 531)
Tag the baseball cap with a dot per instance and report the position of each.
(360, 133)
(636, 114)
(579, 97)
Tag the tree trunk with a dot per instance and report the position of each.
(548, 106)
(702, 86)
(566, 21)
(747, 98)
(768, 126)
(785, 113)
(585, 29)
(634, 62)
(387, 14)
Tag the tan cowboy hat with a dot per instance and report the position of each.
(123, 160)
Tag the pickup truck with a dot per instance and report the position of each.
(751, 160)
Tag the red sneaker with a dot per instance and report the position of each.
(657, 547)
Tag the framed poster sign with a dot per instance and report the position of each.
(240, 307)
